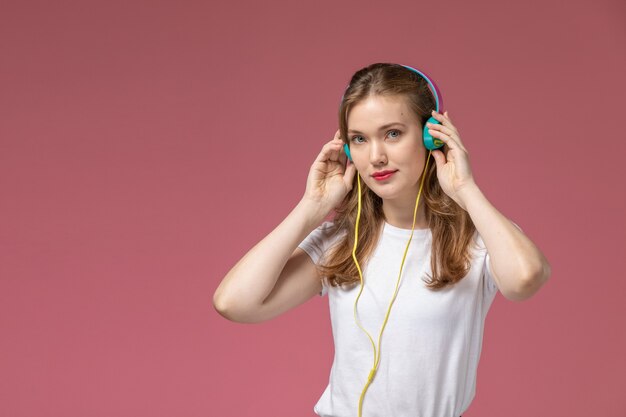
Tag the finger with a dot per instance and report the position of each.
(449, 124)
(333, 152)
(342, 155)
(445, 130)
(336, 138)
(452, 133)
(442, 128)
(444, 121)
(440, 159)
(447, 139)
(348, 176)
(438, 116)
(330, 151)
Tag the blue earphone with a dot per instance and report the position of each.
(429, 142)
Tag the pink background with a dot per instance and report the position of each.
(147, 146)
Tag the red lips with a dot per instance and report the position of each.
(382, 173)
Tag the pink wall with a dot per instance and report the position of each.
(146, 146)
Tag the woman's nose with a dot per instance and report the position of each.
(377, 154)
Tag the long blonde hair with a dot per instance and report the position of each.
(451, 226)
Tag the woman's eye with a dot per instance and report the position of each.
(397, 131)
(354, 138)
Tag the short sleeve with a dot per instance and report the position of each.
(317, 243)
(490, 282)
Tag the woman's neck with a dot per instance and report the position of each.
(401, 214)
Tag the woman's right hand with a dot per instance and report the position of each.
(328, 181)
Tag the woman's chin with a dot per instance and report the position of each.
(386, 193)
(391, 193)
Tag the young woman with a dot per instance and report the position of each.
(424, 273)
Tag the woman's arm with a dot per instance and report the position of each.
(242, 293)
(518, 266)
(249, 292)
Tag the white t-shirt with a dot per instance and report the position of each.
(431, 343)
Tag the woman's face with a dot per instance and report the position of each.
(376, 145)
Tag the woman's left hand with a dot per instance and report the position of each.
(453, 167)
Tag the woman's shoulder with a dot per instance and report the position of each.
(329, 230)
(321, 238)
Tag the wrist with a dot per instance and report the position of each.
(468, 191)
(313, 211)
(471, 197)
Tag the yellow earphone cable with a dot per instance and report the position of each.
(356, 238)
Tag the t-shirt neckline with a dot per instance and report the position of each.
(391, 229)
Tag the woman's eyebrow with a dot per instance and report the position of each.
(383, 127)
